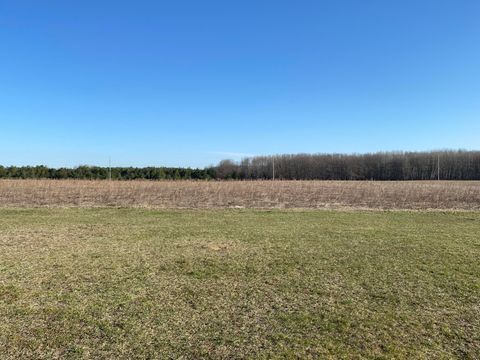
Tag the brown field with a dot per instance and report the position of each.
(420, 195)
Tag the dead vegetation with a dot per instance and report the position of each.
(419, 195)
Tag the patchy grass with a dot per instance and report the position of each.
(130, 283)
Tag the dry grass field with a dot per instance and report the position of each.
(154, 270)
(418, 195)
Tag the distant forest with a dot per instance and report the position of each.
(100, 173)
(444, 165)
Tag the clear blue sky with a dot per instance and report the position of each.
(190, 82)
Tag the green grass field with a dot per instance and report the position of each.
(126, 283)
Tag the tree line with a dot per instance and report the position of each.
(445, 165)
(99, 173)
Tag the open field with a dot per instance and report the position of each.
(138, 283)
(463, 195)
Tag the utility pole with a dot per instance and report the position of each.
(109, 168)
(438, 166)
(273, 169)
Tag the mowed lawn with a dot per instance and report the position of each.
(130, 283)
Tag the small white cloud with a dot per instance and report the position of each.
(232, 154)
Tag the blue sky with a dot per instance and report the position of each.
(187, 83)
